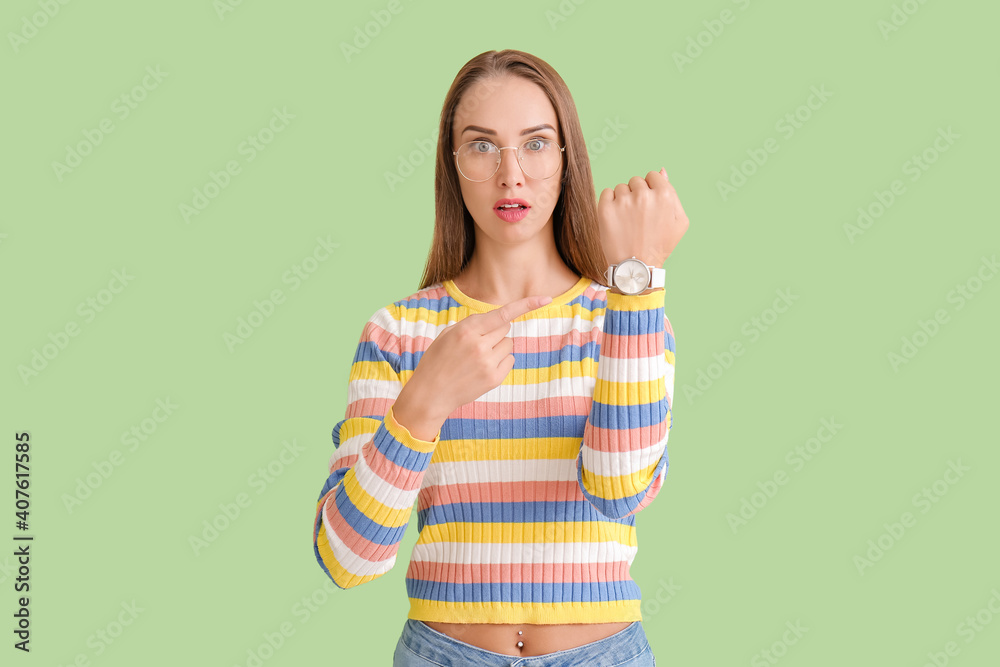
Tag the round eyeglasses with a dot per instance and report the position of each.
(479, 160)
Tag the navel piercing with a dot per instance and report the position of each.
(520, 644)
(520, 632)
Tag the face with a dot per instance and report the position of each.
(508, 112)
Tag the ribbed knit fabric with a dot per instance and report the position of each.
(526, 498)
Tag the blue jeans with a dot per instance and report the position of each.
(422, 646)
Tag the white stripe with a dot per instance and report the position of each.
(386, 493)
(546, 326)
(636, 369)
(349, 560)
(522, 393)
(371, 388)
(614, 464)
(510, 470)
(522, 552)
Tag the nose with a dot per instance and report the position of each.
(510, 172)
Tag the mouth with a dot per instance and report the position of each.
(511, 205)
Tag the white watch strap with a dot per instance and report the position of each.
(659, 277)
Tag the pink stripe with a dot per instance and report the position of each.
(623, 440)
(398, 476)
(487, 492)
(342, 462)
(632, 346)
(550, 406)
(368, 406)
(357, 543)
(654, 489)
(518, 572)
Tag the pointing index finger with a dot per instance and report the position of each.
(503, 316)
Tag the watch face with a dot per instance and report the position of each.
(631, 276)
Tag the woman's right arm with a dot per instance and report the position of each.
(385, 443)
(379, 462)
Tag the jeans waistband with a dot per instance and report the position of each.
(621, 648)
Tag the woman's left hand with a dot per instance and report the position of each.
(643, 218)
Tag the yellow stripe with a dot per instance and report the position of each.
(373, 370)
(629, 393)
(531, 449)
(540, 613)
(458, 313)
(529, 532)
(619, 486)
(371, 507)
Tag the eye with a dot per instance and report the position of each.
(536, 144)
(481, 146)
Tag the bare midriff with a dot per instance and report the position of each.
(534, 639)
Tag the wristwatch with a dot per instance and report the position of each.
(632, 276)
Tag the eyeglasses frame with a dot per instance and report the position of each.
(562, 149)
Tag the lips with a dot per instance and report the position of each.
(501, 205)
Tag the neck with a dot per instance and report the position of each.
(508, 273)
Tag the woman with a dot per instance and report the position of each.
(519, 401)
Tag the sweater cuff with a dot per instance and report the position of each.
(403, 435)
(634, 302)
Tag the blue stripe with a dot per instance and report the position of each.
(433, 305)
(561, 426)
(634, 322)
(628, 416)
(541, 511)
(524, 592)
(525, 360)
(371, 530)
(399, 453)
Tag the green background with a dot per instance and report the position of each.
(324, 176)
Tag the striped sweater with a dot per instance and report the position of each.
(526, 498)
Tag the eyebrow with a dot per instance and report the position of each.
(476, 128)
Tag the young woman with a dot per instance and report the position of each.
(521, 397)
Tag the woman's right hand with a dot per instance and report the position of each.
(468, 359)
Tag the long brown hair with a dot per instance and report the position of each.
(574, 217)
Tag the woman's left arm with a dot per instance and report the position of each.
(623, 457)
